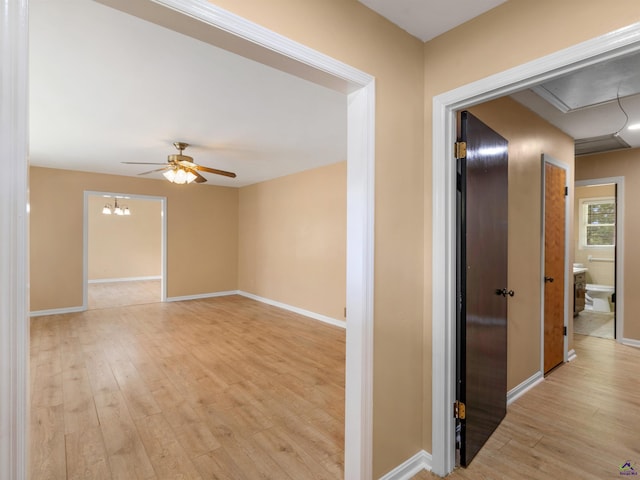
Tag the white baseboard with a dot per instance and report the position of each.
(630, 342)
(524, 387)
(56, 311)
(420, 461)
(571, 355)
(300, 311)
(125, 279)
(202, 295)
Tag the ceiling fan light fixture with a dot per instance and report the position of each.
(180, 175)
(170, 175)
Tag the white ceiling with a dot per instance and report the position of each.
(426, 19)
(108, 87)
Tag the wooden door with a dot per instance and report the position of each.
(482, 284)
(554, 264)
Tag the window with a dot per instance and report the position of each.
(597, 222)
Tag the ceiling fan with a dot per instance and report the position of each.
(181, 169)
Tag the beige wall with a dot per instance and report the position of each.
(624, 163)
(529, 137)
(122, 246)
(202, 224)
(514, 33)
(408, 75)
(292, 236)
(348, 31)
(602, 273)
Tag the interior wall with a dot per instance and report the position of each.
(292, 234)
(348, 31)
(602, 273)
(124, 246)
(623, 163)
(529, 137)
(202, 234)
(510, 35)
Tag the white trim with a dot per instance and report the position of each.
(619, 251)
(200, 296)
(419, 462)
(611, 45)
(571, 355)
(567, 224)
(57, 311)
(14, 240)
(630, 342)
(85, 242)
(125, 279)
(300, 311)
(516, 392)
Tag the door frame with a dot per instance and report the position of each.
(281, 53)
(619, 254)
(85, 240)
(566, 355)
(445, 106)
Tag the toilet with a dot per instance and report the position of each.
(598, 297)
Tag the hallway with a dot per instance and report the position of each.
(582, 422)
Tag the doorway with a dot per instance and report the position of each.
(271, 48)
(124, 249)
(599, 257)
(612, 45)
(554, 263)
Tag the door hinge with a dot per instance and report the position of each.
(460, 150)
(459, 410)
(566, 191)
(564, 331)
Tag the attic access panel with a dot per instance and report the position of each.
(593, 85)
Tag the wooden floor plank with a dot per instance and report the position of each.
(86, 455)
(180, 390)
(581, 422)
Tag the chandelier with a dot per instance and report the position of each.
(116, 210)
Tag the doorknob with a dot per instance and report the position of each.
(548, 279)
(504, 292)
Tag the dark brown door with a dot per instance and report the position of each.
(482, 284)
(554, 252)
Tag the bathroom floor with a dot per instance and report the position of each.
(595, 324)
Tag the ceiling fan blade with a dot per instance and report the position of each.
(199, 178)
(144, 163)
(213, 170)
(156, 170)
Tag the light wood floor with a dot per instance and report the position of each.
(582, 422)
(224, 388)
(232, 389)
(120, 294)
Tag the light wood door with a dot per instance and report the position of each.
(554, 260)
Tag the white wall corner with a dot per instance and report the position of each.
(405, 471)
(516, 392)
